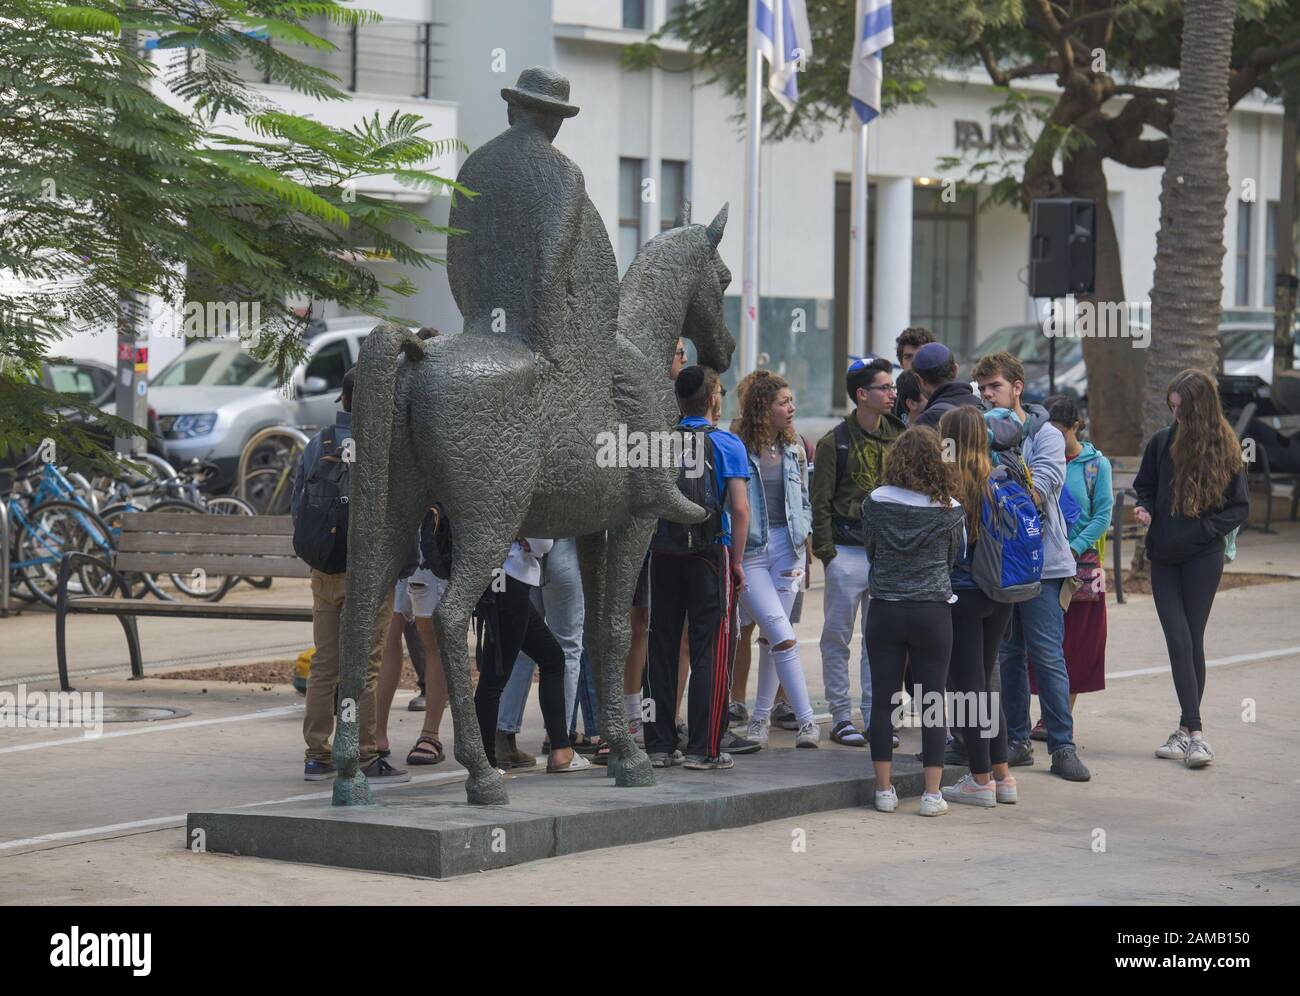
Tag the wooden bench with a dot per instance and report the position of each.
(1285, 485)
(171, 543)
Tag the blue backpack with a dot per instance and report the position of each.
(1008, 561)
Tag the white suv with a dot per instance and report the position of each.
(213, 396)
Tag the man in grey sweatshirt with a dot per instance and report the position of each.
(1037, 625)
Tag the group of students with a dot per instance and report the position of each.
(895, 502)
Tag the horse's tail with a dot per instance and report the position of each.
(368, 560)
(372, 401)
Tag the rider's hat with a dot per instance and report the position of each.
(542, 89)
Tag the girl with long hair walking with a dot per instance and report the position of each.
(1192, 493)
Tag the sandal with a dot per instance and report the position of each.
(847, 734)
(575, 763)
(584, 744)
(420, 755)
(602, 754)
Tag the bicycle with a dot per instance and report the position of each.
(44, 533)
(267, 467)
(181, 493)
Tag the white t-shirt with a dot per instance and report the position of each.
(526, 566)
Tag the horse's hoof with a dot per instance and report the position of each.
(632, 770)
(489, 790)
(353, 791)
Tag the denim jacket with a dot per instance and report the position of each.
(798, 508)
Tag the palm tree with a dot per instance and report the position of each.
(1188, 285)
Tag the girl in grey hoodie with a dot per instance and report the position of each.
(913, 530)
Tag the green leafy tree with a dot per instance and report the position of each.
(128, 171)
(1104, 57)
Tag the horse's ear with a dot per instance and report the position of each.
(716, 226)
(683, 215)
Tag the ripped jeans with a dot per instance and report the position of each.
(773, 577)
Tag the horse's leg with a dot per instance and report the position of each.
(481, 538)
(618, 562)
(379, 541)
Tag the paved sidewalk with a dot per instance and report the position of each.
(1227, 838)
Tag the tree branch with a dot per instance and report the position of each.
(1003, 77)
(1141, 153)
(1245, 79)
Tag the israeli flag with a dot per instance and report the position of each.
(874, 25)
(784, 38)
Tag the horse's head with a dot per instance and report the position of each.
(704, 324)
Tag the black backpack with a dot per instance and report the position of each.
(435, 542)
(679, 537)
(320, 531)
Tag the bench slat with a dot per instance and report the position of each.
(190, 522)
(149, 607)
(200, 543)
(249, 566)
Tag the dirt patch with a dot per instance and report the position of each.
(267, 674)
(1142, 586)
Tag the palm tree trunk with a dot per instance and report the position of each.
(1188, 286)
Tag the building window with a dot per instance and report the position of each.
(943, 265)
(1243, 252)
(672, 191)
(634, 14)
(630, 172)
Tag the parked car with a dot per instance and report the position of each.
(1027, 343)
(1245, 348)
(214, 396)
(1246, 343)
(93, 382)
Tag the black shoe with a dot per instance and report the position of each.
(1066, 763)
(783, 716)
(737, 714)
(733, 743)
(382, 772)
(955, 753)
(1020, 754)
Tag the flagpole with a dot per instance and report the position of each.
(753, 139)
(858, 244)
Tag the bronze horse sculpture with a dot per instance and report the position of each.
(508, 439)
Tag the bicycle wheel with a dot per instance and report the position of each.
(194, 585)
(266, 469)
(48, 532)
(230, 505)
(112, 516)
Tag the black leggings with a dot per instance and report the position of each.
(978, 626)
(1184, 594)
(522, 628)
(897, 632)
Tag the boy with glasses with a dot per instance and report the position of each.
(846, 468)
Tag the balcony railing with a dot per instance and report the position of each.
(393, 58)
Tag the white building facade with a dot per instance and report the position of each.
(946, 263)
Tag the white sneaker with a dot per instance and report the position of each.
(1198, 752)
(1175, 748)
(758, 730)
(809, 735)
(933, 805)
(1006, 791)
(886, 801)
(971, 793)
